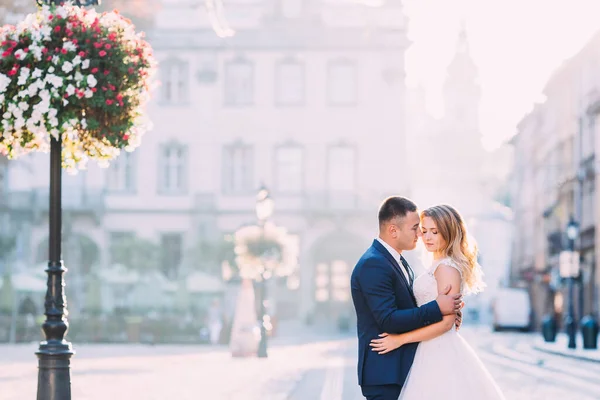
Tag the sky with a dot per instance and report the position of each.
(516, 44)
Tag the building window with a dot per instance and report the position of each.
(342, 83)
(332, 282)
(238, 166)
(175, 81)
(171, 251)
(239, 82)
(121, 176)
(289, 174)
(173, 174)
(341, 175)
(289, 83)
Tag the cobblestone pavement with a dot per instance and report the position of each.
(310, 367)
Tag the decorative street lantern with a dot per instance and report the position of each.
(262, 251)
(569, 269)
(73, 82)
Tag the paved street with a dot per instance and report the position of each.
(299, 368)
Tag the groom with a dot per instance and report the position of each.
(384, 301)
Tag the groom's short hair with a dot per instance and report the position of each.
(394, 207)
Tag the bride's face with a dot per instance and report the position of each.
(431, 237)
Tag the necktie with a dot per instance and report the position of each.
(409, 271)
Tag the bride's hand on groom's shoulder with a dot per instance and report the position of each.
(386, 343)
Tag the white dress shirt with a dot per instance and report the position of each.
(396, 256)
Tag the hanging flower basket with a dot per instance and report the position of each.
(76, 74)
(269, 249)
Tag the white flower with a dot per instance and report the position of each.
(51, 70)
(76, 60)
(4, 82)
(32, 89)
(70, 90)
(6, 115)
(67, 67)
(37, 73)
(62, 11)
(36, 51)
(84, 123)
(23, 106)
(55, 60)
(54, 80)
(20, 54)
(88, 93)
(23, 76)
(85, 64)
(91, 81)
(65, 102)
(46, 32)
(45, 95)
(78, 77)
(69, 46)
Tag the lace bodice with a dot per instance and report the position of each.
(425, 286)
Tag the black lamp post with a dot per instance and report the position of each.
(569, 269)
(54, 354)
(264, 210)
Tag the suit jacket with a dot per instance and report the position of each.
(384, 302)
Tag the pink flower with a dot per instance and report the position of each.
(94, 70)
(102, 53)
(57, 28)
(107, 46)
(109, 102)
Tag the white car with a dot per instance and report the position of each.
(511, 309)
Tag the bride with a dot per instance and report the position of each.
(441, 348)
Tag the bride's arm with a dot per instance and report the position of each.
(444, 275)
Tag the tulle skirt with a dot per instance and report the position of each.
(447, 368)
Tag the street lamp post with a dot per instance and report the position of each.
(569, 269)
(54, 354)
(264, 210)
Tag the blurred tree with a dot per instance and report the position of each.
(8, 243)
(208, 255)
(137, 254)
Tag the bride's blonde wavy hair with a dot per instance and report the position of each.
(459, 247)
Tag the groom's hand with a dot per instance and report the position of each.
(449, 304)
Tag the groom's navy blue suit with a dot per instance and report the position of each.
(384, 302)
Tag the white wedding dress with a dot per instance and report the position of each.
(446, 367)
